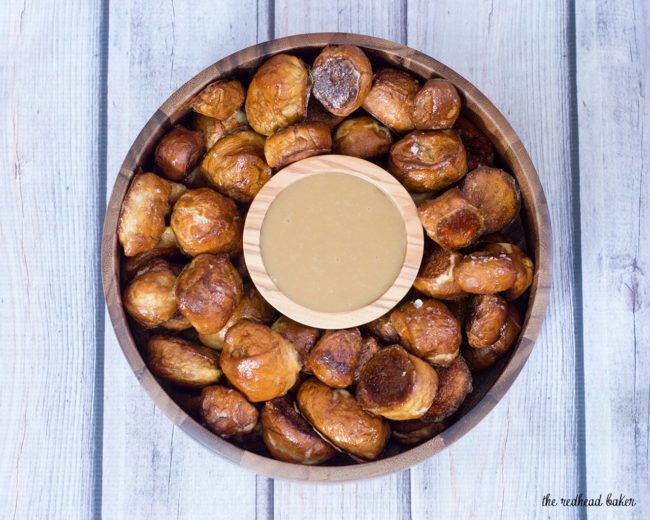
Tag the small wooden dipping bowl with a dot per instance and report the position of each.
(534, 233)
(361, 169)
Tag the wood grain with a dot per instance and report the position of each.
(361, 169)
(151, 469)
(517, 57)
(49, 231)
(613, 56)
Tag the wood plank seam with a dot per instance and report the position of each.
(574, 154)
(100, 305)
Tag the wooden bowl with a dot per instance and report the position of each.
(489, 388)
(361, 169)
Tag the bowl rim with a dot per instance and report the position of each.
(508, 146)
(371, 174)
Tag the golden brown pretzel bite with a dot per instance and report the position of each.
(289, 437)
(205, 221)
(236, 166)
(436, 277)
(297, 142)
(226, 412)
(390, 99)
(150, 297)
(397, 385)
(213, 129)
(523, 266)
(363, 137)
(495, 194)
(208, 290)
(436, 106)
(482, 272)
(178, 152)
(428, 329)
(450, 220)
(383, 328)
(145, 206)
(278, 94)
(182, 362)
(428, 161)
(335, 357)
(342, 78)
(487, 318)
(454, 384)
(341, 420)
(219, 99)
(480, 359)
(251, 306)
(259, 361)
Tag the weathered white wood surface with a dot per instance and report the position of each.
(49, 230)
(151, 469)
(613, 54)
(533, 443)
(527, 447)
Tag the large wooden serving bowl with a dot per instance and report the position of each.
(489, 388)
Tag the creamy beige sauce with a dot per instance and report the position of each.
(333, 242)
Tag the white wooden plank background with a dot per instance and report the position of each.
(81, 439)
(614, 125)
(49, 230)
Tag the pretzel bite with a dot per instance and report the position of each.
(369, 347)
(390, 99)
(416, 431)
(301, 336)
(397, 385)
(150, 297)
(487, 317)
(226, 412)
(451, 221)
(363, 137)
(495, 194)
(454, 385)
(297, 142)
(341, 77)
(236, 167)
(219, 99)
(478, 147)
(205, 221)
(428, 161)
(483, 272)
(436, 106)
(208, 290)
(259, 361)
(181, 362)
(289, 437)
(480, 359)
(278, 94)
(335, 357)
(436, 277)
(523, 266)
(177, 322)
(178, 152)
(459, 308)
(383, 328)
(251, 306)
(341, 420)
(145, 206)
(214, 129)
(428, 329)
(317, 113)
